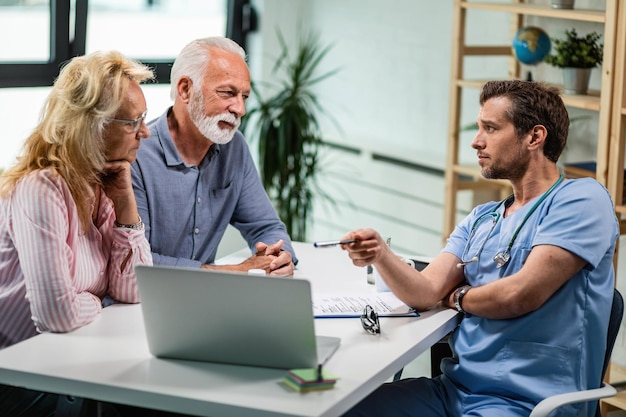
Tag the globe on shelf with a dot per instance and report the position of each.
(531, 45)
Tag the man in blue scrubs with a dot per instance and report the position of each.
(195, 174)
(532, 274)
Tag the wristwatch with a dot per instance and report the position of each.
(458, 295)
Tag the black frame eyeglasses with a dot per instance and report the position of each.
(133, 124)
(369, 320)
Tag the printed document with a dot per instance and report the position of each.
(341, 305)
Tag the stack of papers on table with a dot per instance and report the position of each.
(386, 304)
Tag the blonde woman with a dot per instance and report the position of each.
(70, 233)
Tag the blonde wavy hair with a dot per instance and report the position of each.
(84, 99)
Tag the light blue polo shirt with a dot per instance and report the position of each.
(187, 208)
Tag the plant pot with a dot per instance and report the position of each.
(576, 80)
(562, 4)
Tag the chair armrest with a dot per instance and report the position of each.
(545, 407)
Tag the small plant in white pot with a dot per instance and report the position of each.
(577, 56)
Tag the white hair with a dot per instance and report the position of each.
(194, 58)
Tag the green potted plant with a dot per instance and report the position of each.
(287, 130)
(577, 56)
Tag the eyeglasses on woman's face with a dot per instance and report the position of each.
(132, 125)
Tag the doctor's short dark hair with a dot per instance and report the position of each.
(533, 103)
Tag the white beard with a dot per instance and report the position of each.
(209, 125)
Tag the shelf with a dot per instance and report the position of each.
(468, 170)
(583, 15)
(475, 50)
(590, 101)
(618, 402)
(580, 169)
(473, 180)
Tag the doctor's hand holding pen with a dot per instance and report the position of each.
(365, 246)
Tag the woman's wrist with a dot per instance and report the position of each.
(135, 226)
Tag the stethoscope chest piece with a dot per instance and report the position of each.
(502, 258)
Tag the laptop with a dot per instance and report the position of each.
(234, 318)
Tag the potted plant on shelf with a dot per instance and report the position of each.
(562, 4)
(577, 56)
(287, 130)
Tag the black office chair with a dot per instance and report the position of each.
(545, 407)
(69, 406)
(438, 351)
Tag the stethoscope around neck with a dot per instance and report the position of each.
(501, 257)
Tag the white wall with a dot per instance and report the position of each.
(389, 99)
(394, 73)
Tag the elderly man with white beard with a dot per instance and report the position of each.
(195, 174)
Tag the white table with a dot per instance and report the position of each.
(109, 360)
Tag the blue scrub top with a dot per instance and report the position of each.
(560, 346)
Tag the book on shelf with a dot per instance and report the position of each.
(580, 169)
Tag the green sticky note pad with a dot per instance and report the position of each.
(317, 386)
(309, 375)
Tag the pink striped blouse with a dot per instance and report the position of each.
(52, 275)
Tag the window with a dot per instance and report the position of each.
(45, 33)
(25, 30)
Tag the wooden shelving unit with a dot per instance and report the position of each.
(618, 402)
(460, 177)
(615, 179)
(609, 102)
(617, 140)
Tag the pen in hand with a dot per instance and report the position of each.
(329, 243)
